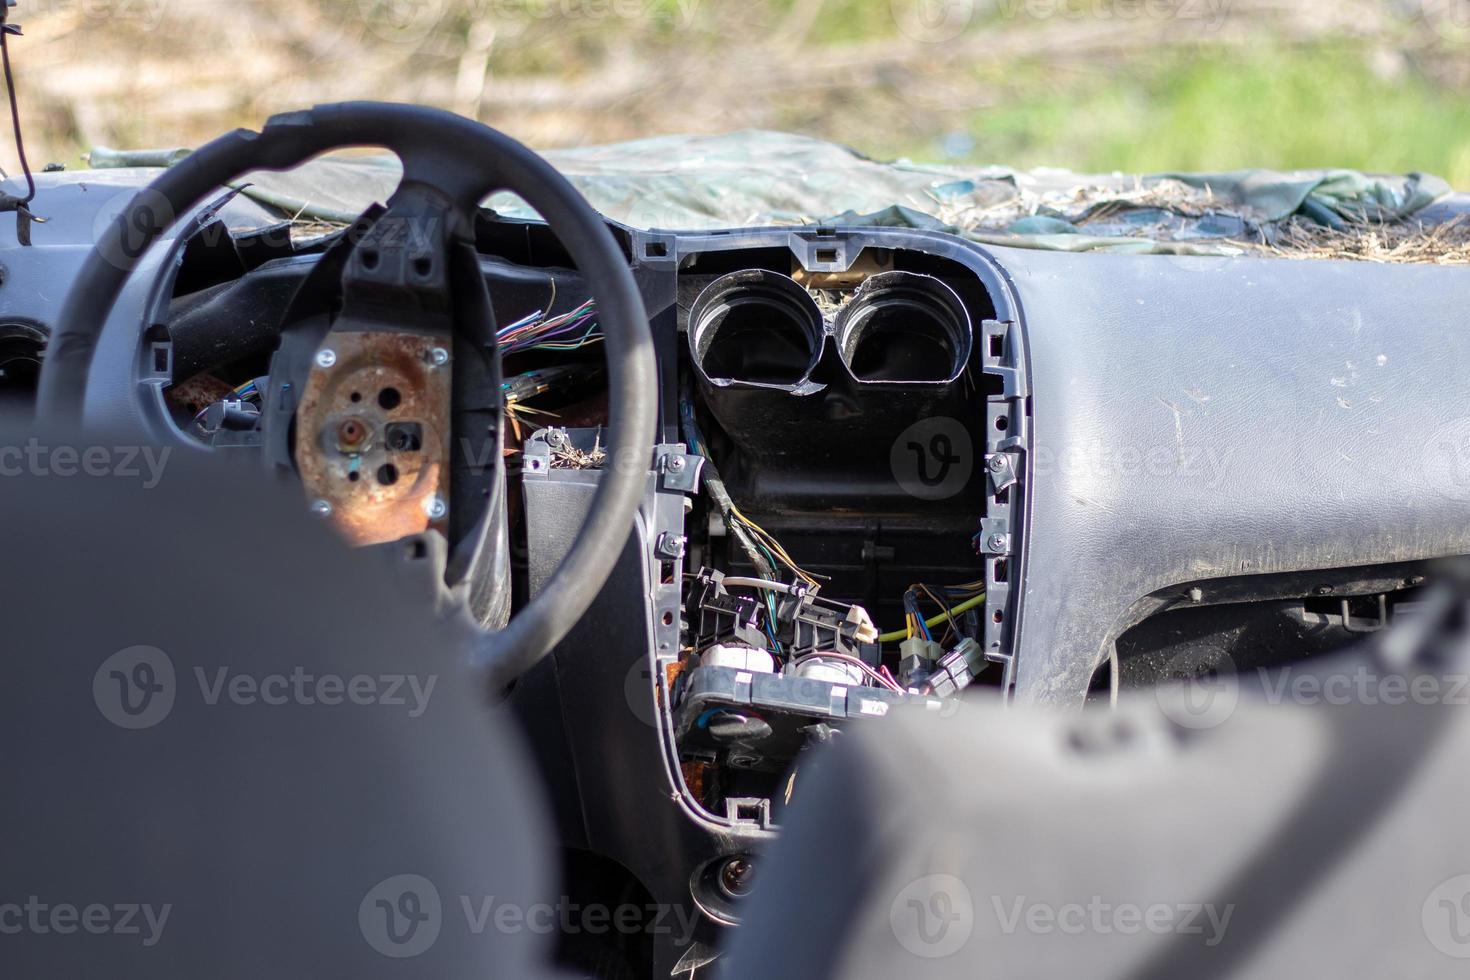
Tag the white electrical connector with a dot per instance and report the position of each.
(866, 631)
(741, 658)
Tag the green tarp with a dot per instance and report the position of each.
(756, 178)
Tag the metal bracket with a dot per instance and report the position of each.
(995, 536)
(670, 546)
(1002, 470)
(679, 472)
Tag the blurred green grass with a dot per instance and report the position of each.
(1375, 85)
(1268, 107)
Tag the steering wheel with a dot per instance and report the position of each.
(450, 164)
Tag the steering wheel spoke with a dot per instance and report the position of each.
(379, 399)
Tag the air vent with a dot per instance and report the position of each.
(21, 347)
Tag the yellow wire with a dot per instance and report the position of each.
(773, 544)
(965, 606)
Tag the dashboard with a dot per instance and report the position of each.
(892, 467)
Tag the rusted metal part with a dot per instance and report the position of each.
(373, 434)
(198, 393)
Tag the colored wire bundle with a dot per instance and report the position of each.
(764, 551)
(250, 391)
(567, 332)
(967, 595)
(914, 624)
(760, 546)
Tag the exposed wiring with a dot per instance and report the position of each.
(774, 546)
(7, 29)
(249, 391)
(963, 607)
(771, 622)
(914, 617)
(755, 583)
(764, 551)
(567, 332)
(9, 202)
(940, 603)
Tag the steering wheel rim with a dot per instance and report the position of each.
(432, 145)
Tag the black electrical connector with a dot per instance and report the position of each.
(955, 671)
(722, 618)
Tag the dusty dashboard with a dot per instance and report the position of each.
(893, 468)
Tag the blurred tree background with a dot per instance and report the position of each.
(1089, 85)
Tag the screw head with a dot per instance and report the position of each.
(997, 463)
(321, 508)
(676, 463)
(438, 356)
(436, 508)
(326, 357)
(997, 542)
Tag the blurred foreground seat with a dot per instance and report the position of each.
(234, 749)
(1236, 829)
